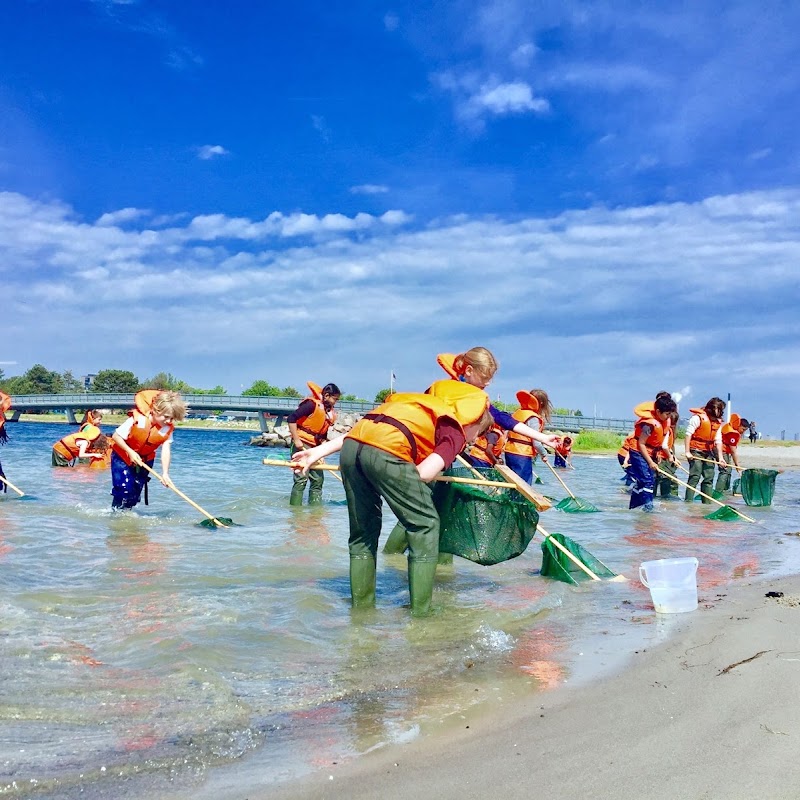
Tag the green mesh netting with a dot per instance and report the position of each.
(480, 523)
(209, 523)
(737, 486)
(558, 565)
(725, 513)
(575, 505)
(758, 486)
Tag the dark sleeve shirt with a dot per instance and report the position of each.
(448, 440)
(305, 409)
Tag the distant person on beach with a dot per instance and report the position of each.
(753, 433)
(646, 448)
(563, 453)
(86, 445)
(135, 442)
(704, 441)
(391, 454)
(308, 425)
(731, 434)
(5, 404)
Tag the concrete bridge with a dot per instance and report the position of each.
(274, 409)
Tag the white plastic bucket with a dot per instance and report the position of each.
(672, 583)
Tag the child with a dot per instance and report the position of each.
(731, 434)
(704, 439)
(487, 450)
(87, 443)
(665, 485)
(645, 448)
(391, 454)
(563, 454)
(135, 442)
(5, 404)
(477, 367)
(308, 425)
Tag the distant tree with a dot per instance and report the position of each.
(215, 390)
(382, 395)
(351, 398)
(262, 389)
(578, 413)
(115, 380)
(564, 412)
(37, 380)
(71, 383)
(166, 381)
(290, 391)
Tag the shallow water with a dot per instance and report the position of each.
(142, 655)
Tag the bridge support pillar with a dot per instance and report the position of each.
(71, 416)
(15, 415)
(262, 421)
(280, 419)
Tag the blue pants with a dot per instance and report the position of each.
(522, 465)
(127, 482)
(644, 482)
(559, 461)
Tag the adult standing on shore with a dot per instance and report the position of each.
(753, 432)
(308, 425)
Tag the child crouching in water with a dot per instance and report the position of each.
(149, 427)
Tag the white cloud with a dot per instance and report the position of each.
(369, 188)
(509, 98)
(209, 151)
(615, 303)
(121, 216)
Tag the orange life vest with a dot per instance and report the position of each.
(405, 425)
(563, 449)
(69, 448)
(313, 429)
(145, 437)
(730, 437)
(488, 447)
(446, 361)
(703, 438)
(659, 434)
(5, 402)
(517, 445)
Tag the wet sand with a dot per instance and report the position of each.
(709, 714)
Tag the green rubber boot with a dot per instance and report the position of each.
(315, 497)
(362, 581)
(397, 541)
(296, 497)
(421, 575)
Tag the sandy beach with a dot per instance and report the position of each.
(709, 713)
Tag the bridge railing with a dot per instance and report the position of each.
(278, 406)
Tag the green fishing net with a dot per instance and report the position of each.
(480, 523)
(724, 513)
(758, 486)
(558, 565)
(737, 486)
(209, 523)
(575, 505)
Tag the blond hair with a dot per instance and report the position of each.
(480, 359)
(170, 404)
(545, 406)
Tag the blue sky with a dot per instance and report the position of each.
(607, 195)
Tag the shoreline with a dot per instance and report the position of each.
(708, 713)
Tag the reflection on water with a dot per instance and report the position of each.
(141, 654)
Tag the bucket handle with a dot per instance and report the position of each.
(643, 573)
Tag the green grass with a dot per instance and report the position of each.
(592, 441)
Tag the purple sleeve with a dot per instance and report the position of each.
(448, 440)
(502, 418)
